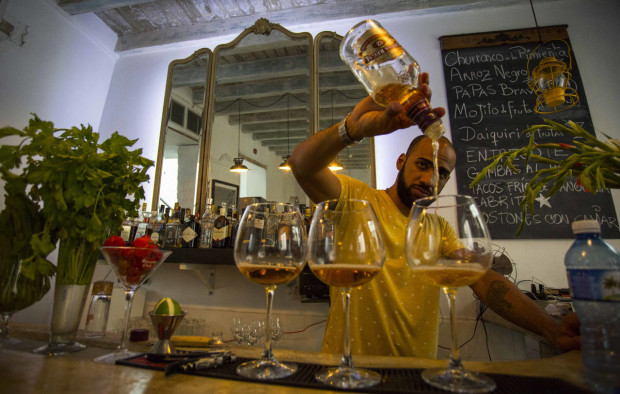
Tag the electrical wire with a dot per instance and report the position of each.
(479, 318)
(305, 328)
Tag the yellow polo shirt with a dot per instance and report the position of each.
(396, 313)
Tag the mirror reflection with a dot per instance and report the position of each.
(177, 174)
(261, 110)
(339, 92)
(256, 97)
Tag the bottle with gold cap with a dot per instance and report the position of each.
(388, 73)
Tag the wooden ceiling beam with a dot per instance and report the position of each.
(74, 7)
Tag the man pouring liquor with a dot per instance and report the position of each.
(396, 314)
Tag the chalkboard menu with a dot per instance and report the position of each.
(489, 104)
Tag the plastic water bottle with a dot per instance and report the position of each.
(593, 270)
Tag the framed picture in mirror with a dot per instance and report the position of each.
(224, 192)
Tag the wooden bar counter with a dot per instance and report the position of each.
(21, 371)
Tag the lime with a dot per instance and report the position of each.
(167, 306)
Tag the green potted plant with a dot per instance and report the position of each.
(85, 189)
(595, 163)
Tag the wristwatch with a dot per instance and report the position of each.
(343, 132)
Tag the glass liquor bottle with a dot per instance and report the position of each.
(190, 236)
(271, 227)
(308, 219)
(388, 73)
(142, 222)
(180, 226)
(206, 226)
(126, 227)
(159, 227)
(167, 214)
(171, 228)
(234, 226)
(220, 229)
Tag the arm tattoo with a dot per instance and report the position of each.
(495, 297)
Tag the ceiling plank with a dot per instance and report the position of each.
(74, 7)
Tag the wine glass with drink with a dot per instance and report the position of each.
(346, 250)
(133, 266)
(270, 250)
(448, 245)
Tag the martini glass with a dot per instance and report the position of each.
(448, 245)
(133, 266)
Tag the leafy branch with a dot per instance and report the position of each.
(82, 188)
(595, 163)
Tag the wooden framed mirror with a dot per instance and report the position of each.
(261, 109)
(255, 98)
(338, 91)
(182, 134)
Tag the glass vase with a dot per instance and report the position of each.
(76, 264)
(17, 292)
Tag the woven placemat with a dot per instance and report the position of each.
(394, 380)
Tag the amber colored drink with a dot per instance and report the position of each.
(265, 274)
(345, 275)
(395, 92)
(451, 277)
(414, 103)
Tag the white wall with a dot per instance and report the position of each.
(69, 78)
(59, 73)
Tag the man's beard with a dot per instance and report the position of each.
(404, 193)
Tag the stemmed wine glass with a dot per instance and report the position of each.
(346, 250)
(448, 245)
(133, 266)
(270, 250)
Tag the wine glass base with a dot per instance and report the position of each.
(458, 380)
(266, 369)
(58, 349)
(347, 378)
(111, 358)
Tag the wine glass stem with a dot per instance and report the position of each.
(124, 336)
(347, 360)
(267, 353)
(455, 358)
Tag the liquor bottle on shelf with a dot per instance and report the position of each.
(284, 235)
(388, 73)
(159, 227)
(172, 227)
(190, 235)
(220, 229)
(234, 226)
(167, 214)
(142, 222)
(271, 227)
(126, 228)
(308, 219)
(206, 226)
(180, 227)
(150, 223)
